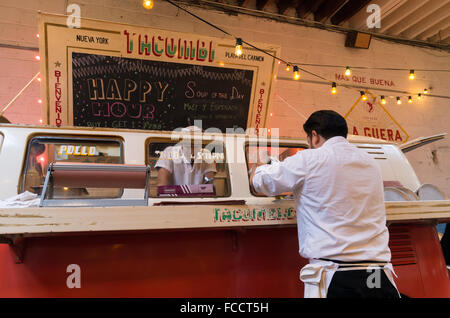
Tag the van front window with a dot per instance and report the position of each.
(44, 150)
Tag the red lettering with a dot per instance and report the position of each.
(367, 132)
(340, 77)
(390, 135)
(128, 41)
(382, 134)
(355, 131)
(397, 136)
(375, 130)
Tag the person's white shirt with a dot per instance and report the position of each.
(177, 160)
(338, 193)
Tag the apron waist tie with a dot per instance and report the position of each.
(317, 275)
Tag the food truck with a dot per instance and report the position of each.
(82, 215)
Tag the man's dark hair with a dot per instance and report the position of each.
(326, 123)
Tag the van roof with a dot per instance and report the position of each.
(351, 138)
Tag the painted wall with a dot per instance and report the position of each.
(293, 102)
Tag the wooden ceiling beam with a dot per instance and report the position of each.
(327, 9)
(442, 36)
(427, 21)
(304, 7)
(261, 4)
(283, 5)
(400, 13)
(348, 10)
(413, 21)
(359, 20)
(434, 29)
(243, 3)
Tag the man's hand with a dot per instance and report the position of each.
(253, 169)
(164, 177)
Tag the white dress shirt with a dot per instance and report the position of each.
(177, 159)
(338, 193)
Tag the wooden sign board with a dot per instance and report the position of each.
(369, 118)
(114, 75)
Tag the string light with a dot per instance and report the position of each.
(238, 49)
(348, 71)
(39, 101)
(333, 88)
(419, 96)
(37, 57)
(296, 73)
(383, 100)
(363, 95)
(409, 99)
(148, 4)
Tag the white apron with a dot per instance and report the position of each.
(317, 275)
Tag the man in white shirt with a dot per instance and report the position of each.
(183, 164)
(341, 220)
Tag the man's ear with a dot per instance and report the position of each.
(314, 138)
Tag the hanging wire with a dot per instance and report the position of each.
(310, 64)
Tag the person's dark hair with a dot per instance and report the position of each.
(326, 123)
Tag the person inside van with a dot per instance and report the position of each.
(181, 165)
(34, 177)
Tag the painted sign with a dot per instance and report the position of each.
(255, 214)
(113, 75)
(365, 80)
(369, 118)
(76, 150)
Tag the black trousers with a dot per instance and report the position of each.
(445, 243)
(354, 284)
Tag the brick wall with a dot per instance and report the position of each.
(293, 101)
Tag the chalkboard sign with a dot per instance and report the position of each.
(110, 91)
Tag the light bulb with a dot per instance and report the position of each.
(419, 96)
(383, 100)
(425, 91)
(399, 101)
(348, 71)
(363, 96)
(288, 67)
(296, 73)
(238, 49)
(412, 75)
(333, 88)
(148, 4)
(409, 99)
